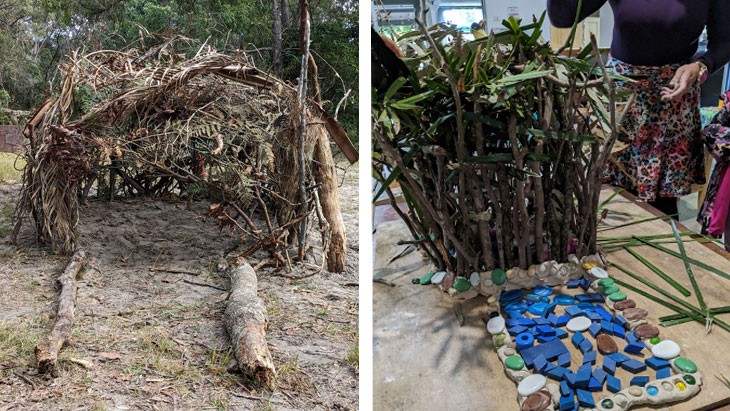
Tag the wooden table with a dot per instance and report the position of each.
(423, 359)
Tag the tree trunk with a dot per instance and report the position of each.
(46, 351)
(276, 35)
(285, 14)
(246, 323)
(329, 195)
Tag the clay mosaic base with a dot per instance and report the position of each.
(528, 328)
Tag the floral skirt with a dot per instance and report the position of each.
(663, 156)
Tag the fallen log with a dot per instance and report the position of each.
(46, 352)
(246, 323)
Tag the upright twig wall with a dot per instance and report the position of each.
(498, 145)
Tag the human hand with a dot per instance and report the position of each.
(683, 79)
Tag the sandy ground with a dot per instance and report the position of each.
(156, 341)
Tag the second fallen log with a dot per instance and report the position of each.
(246, 323)
(46, 351)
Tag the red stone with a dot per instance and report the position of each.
(633, 314)
(538, 401)
(622, 305)
(646, 331)
(606, 344)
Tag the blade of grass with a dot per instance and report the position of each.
(637, 222)
(694, 311)
(611, 197)
(718, 310)
(688, 267)
(723, 380)
(677, 286)
(697, 263)
(619, 246)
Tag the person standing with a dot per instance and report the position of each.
(653, 43)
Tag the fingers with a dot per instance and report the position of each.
(683, 79)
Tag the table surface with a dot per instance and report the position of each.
(423, 359)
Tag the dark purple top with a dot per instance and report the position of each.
(658, 32)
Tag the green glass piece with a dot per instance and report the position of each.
(617, 296)
(685, 365)
(689, 379)
(499, 277)
(655, 340)
(499, 340)
(426, 279)
(461, 284)
(514, 362)
(607, 404)
(609, 289)
(604, 282)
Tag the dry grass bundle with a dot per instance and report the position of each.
(164, 125)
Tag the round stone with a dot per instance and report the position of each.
(685, 365)
(514, 362)
(605, 281)
(542, 290)
(508, 351)
(531, 384)
(426, 279)
(564, 299)
(598, 272)
(647, 331)
(667, 386)
(509, 296)
(538, 401)
(654, 340)
(617, 296)
(652, 390)
(589, 265)
(499, 339)
(578, 324)
(666, 350)
(499, 277)
(474, 279)
(448, 280)
(689, 379)
(607, 404)
(538, 308)
(620, 400)
(622, 305)
(519, 306)
(438, 277)
(636, 391)
(633, 314)
(416, 281)
(680, 385)
(609, 289)
(493, 314)
(461, 284)
(495, 325)
(606, 344)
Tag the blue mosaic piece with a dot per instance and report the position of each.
(589, 357)
(570, 378)
(560, 333)
(540, 362)
(633, 366)
(545, 330)
(594, 316)
(557, 372)
(567, 403)
(509, 296)
(565, 389)
(564, 299)
(585, 284)
(545, 338)
(564, 360)
(520, 306)
(590, 298)
(582, 376)
(618, 357)
(514, 314)
(573, 283)
(576, 339)
(538, 308)
(609, 365)
(594, 329)
(562, 320)
(605, 314)
(634, 347)
(599, 374)
(620, 320)
(631, 337)
(527, 322)
(541, 321)
(553, 319)
(619, 331)
(586, 306)
(639, 380)
(550, 350)
(585, 398)
(594, 385)
(607, 327)
(573, 310)
(534, 298)
(524, 341)
(664, 372)
(516, 329)
(656, 363)
(613, 384)
(585, 346)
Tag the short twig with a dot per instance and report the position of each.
(204, 285)
(173, 270)
(26, 379)
(382, 281)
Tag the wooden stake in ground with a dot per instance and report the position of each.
(46, 352)
(246, 323)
